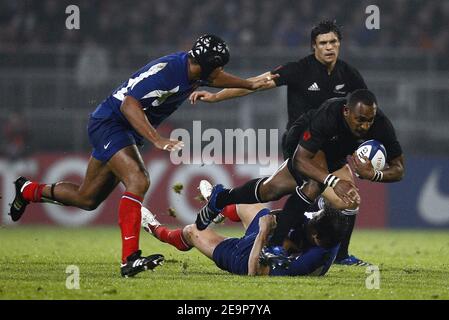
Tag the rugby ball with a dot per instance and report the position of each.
(375, 151)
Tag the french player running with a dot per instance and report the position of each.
(120, 124)
(323, 139)
(311, 81)
(312, 245)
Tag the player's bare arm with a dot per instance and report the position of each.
(264, 81)
(133, 112)
(223, 79)
(393, 173)
(304, 163)
(266, 225)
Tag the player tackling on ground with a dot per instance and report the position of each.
(312, 245)
(120, 124)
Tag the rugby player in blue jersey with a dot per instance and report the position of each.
(120, 124)
(312, 244)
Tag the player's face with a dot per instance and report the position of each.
(360, 118)
(327, 47)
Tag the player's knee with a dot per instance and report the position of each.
(89, 204)
(139, 182)
(190, 231)
(144, 182)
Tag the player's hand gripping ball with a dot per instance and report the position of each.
(375, 152)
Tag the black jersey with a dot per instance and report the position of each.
(309, 84)
(326, 129)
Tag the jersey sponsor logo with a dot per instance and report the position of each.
(107, 145)
(433, 204)
(314, 87)
(120, 94)
(307, 135)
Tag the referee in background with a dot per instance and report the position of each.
(311, 81)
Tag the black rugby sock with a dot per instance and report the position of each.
(291, 215)
(344, 245)
(244, 194)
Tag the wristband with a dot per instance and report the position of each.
(331, 180)
(378, 176)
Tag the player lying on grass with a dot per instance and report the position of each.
(312, 245)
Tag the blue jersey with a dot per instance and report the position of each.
(314, 261)
(161, 87)
(232, 254)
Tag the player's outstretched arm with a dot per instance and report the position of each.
(266, 225)
(133, 112)
(262, 82)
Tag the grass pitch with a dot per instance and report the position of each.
(33, 263)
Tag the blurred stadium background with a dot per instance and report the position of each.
(51, 78)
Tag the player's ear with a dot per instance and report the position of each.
(346, 110)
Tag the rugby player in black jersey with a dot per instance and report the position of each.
(324, 138)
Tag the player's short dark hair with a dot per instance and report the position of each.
(330, 225)
(361, 95)
(323, 27)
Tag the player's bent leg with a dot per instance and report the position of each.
(205, 240)
(254, 191)
(98, 183)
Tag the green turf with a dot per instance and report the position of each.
(33, 262)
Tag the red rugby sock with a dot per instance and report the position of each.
(173, 237)
(230, 212)
(32, 191)
(129, 221)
